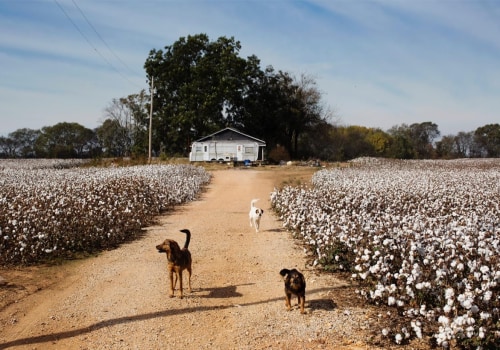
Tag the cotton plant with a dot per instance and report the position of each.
(58, 210)
(420, 236)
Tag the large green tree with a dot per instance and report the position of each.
(20, 143)
(198, 87)
(422, 136)
(66, 140)
(487, 139)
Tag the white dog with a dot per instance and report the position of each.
(255, 215)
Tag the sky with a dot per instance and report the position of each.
(378, 63)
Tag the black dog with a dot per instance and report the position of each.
(295, 284)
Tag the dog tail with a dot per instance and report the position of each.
(253, 202)
(188, 238)
(284, 272)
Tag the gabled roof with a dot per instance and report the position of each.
(230, 134)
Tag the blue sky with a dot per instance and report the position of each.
(378, 63)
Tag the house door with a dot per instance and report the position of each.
(239, 153)
(206, 154)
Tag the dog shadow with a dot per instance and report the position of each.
(322, 304)
(276, 230)
(223, 292)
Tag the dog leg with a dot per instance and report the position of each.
(180, 283)
(302, 301)
(287, 301)
(175, 281)
(189, 278)
(172, 285)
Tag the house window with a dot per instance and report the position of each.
(248, 149)
(198, 149)
(205, 149)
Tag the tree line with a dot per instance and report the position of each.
(200, 86)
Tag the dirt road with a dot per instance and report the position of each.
(118, 299)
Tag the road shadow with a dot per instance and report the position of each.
(326, 304)
(314, 304)
(275, 230)
(222, 292)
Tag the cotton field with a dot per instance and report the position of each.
(50, 208)
(421, 237)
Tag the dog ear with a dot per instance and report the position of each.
(174, 249)
(284, 272)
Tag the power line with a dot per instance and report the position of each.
(100, 37)
(91, 45)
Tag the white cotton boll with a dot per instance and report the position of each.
(444, 320)
(481, 333)
(406, 333)
(474, 309)
(440, 273)
(484, 315)
(469, 332)
(470, 321)
(416, 326)
(459, 321)
(447, 309)
(385, 332)
(400, 303)
(487, 295)
(398, 338)
(484, 269)
(467, 304)
(423, 310)
(449, 293)
(391, 301)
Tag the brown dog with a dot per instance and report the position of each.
(295, 284)
(178, 260)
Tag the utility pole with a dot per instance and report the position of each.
(151, 118)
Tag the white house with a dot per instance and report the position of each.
(227, 145)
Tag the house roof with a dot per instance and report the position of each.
(230, 134)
